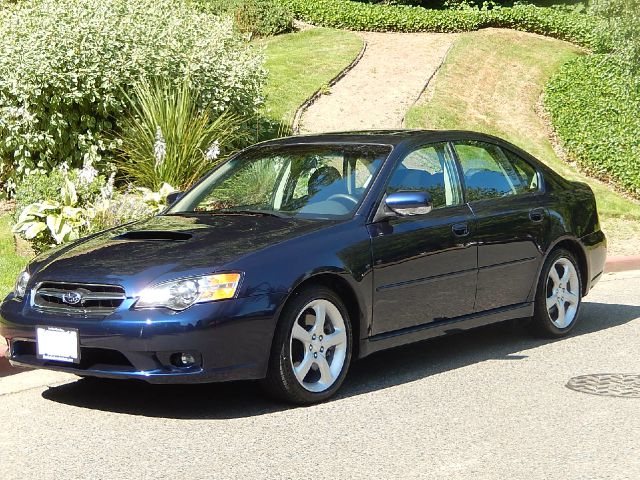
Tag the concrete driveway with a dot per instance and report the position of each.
(490, 404)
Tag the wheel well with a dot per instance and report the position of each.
(342, 288)
(580, 256)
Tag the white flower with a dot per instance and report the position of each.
(160, 147)
(64, 168)
(87, 174)
(106, 192)
(213, 151)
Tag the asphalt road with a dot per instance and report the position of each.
(490, 404)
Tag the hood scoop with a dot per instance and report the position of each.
(154, 235)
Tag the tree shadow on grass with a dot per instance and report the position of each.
(377, 372)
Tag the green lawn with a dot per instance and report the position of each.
(492, 81)
(10, 263)
(300, 63)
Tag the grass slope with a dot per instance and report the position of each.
(301, 63)
(10, 263)
(491, 81)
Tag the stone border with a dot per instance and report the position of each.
(295, 127)
(426, 85)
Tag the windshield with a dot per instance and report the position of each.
(311, 181)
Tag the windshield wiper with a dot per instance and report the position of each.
(263, 213)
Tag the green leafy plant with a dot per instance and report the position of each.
(36, 187)
(67, 66)
(156, 201)
(51, 222)
(170, 139)
(63, 217)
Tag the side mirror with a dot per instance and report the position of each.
(409, 203)
(173, 197)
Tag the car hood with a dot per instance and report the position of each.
(167, 247)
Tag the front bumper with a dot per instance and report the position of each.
(231, 340)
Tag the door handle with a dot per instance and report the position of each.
(460, 229)
(536, 215)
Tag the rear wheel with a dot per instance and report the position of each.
(559, 295)
(312, 348)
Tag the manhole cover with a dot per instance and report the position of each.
(607, 384)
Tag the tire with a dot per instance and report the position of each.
(558, 300)
(321, 354)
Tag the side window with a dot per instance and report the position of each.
(429, 168)
(527, 174)
(491, 172)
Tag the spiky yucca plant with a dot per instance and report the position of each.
(170, 138)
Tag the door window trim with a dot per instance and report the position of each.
(502, 147)
(458, 178)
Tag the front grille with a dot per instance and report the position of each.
(82, 299)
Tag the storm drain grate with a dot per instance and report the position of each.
(607, 384)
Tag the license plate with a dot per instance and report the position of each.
(59, 344)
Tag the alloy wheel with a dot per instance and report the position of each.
(563, 293)
(318, 345)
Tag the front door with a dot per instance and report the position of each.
(502, 189)
(425, 266)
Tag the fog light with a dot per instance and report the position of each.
(187, 359)
(184, 359)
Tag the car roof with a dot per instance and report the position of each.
(399, 137)
(386, 137)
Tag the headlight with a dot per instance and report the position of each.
(21, 284)
(181, 294)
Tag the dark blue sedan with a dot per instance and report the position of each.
(299, 255)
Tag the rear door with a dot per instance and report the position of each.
(502, 190)
(424, 265)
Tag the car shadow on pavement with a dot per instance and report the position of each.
(377, 372)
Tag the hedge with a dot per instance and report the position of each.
(346, 14)
(594, 103)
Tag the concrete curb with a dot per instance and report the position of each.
(295, 127)
(622, 263)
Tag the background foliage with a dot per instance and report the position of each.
(405, 18)
(258, 17)
(67, 64)
(594, 101)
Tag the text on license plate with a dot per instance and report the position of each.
(57, 344)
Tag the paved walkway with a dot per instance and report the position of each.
(382, 86)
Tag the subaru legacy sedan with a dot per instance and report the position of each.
(297, 256)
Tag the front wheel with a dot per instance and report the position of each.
(312, 348)
(559, 295)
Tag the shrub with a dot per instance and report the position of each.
(66, 66)
(120, 209)
(37, 187)
(620, 29)
(263, 17)
(594, 103)
(169, 139)
(403, 18)
(258, 17)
